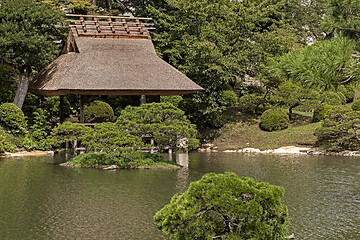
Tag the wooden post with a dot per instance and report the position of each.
(170, 154)
(152, 146)
(82, 103)
(61, 109)
(142, 99)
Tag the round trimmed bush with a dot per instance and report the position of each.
(11, 117)
(98, 111)
(274, 119)
(319, 113)
(348, 91)
(229, 97)
(332, 98)
(356, 105)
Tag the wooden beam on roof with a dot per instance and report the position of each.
(115, 17)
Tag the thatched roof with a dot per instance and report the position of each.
(110, 58)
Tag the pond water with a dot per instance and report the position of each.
(41, 200)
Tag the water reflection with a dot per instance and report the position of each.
(40, 200)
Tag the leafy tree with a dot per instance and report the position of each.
(107, 137)
(8, 85)
(294, 95)
(217, 42)
(340, 129)
(76, 6)
(342, 16)
(166, 123)
(306, 18)
(225, 206)
(28, 34)
(68, 132)
(323, 66)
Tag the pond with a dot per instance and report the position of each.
(41, 200)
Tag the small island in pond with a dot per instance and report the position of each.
(133, 160)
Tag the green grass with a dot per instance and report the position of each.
(245, 132)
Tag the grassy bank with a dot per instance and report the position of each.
(242, 130)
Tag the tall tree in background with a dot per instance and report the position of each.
(343, 16)
(28, 34)
(76, 6)
(217, 42)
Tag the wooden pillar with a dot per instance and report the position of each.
(170, 154)
(142, 99)
(61, 113)
(82, 103)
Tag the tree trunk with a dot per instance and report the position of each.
(108, 4)
(93, 2)
(291, 108)
(142, 99)
(24, 79)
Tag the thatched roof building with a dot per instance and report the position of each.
(110, 58)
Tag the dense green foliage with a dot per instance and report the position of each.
(174, 100)
(323, 65)
(216, 43)
(108, 137)
(53, 107)
(77, 6)
(293, 95)
(98, 111)
(274, 119)
(127, 160)
(230, 98)
(8, 85)
(29, 31)
(342, 16)
(339, 130)
(356, 105)
(163, 121)
(348, 91)
(225, 206)
(319, 113)
(12, 118)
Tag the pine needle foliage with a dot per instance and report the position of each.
(224, 206)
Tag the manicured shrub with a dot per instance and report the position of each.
(319, 113)
(332, 98)
(230, 98)
(174, 100)
(250, 103)
(163, 121)
(91, 158)
(356, 105)
(224, 206)
(5, 145)
(348, 91)
(339, 129)
(98, 111)
(274, 119)
(12, 118)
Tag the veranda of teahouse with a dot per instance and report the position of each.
(108, 55)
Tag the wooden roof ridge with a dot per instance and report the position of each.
(95, 26)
